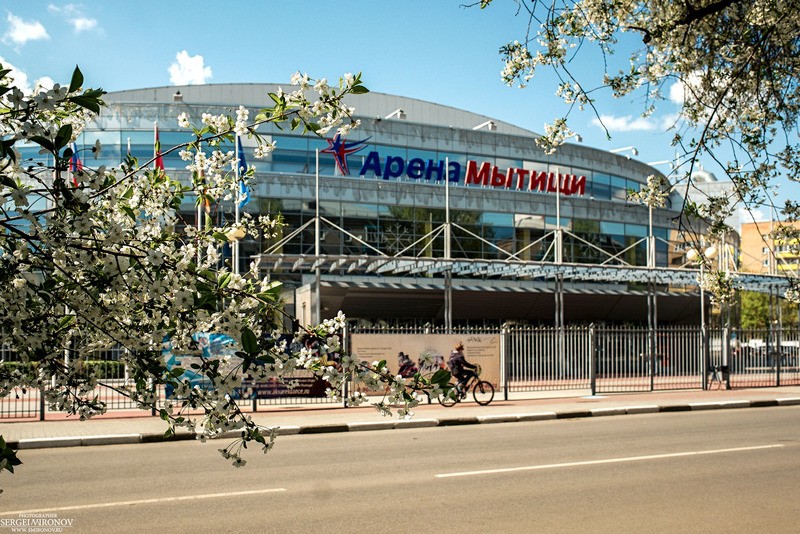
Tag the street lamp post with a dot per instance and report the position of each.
(633, 150)
(692, 255)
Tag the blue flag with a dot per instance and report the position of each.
(241, 167)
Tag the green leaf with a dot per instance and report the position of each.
(7, 181)
(7, 149)
(43, 142)
(359, 90)
(273, 292)
(223, 280)
(9, 455)
(249, 341)
(88, 102)
(64, 136)
(441, 377)
(77, 80)
(66, 321)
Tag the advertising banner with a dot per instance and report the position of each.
(301, 383)
(399, 349)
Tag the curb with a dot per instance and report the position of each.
(120, 439)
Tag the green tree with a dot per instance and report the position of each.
(756, 312)
(94, 258)
(733, 63)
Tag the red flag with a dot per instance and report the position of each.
(159, 159)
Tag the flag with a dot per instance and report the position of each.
(75, 164)
(241, 167)
(157, 148)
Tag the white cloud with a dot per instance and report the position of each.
(73, 14)
(627, 123)
(188, 70)
(45, 82)
(677, 92)
(20, 79)
(83, 24)
(681, 88)
(670, 121)
(20, 31)
(753, 215)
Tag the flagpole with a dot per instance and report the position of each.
(317, 306)
(69, 165)
(199, 215)
(448, 280)
(235, 250)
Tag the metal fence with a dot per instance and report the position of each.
(597, 359)
(760, 358)
(112, 373)
(538, 359)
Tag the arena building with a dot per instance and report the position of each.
(430, 214)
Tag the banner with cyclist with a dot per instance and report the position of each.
(405, 354)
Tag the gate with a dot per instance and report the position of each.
(638, 359)
(547, 358)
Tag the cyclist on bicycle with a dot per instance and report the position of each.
(460, 368)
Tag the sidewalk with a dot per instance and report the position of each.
(140, 427)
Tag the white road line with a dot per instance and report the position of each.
(144, 501)
(606, 461)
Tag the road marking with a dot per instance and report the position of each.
(144, 501)
(606, 461)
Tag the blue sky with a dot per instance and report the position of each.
(434, 50)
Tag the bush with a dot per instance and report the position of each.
(24, 367)
(105, 369)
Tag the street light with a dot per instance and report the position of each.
(662, 162)
(234, 235)
(398, 113)
(633, 150)
(709, 253)
(489, 125)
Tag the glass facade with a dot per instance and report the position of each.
(402, 215)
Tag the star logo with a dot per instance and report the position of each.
(340, 148)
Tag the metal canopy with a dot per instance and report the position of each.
(505, 269)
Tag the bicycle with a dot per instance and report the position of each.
(482, 391)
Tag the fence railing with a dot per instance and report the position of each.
(597, 359)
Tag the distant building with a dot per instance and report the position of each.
(764, 254)
(705, 185)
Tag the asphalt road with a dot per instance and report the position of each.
(722, 471)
